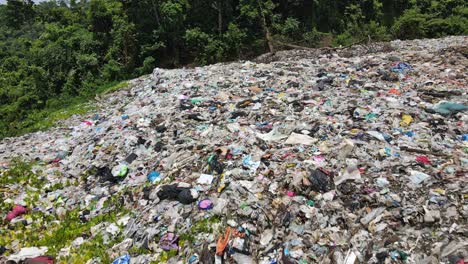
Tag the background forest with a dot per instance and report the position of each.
(58, 53)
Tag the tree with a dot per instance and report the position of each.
(19, 12)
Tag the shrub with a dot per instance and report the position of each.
(411, 25)
(453, 25)
(343, 39)
(312, 38)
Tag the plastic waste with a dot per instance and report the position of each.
(309, 156)
(169, 241)
(205, 204)
(120, 170)
(351, 172)
(401, 67)
(154, 177)
(223, 242)
(418, 177)
(447, 108)
(215, 165)
(406, 120)
(40, 260)
(205, 179)
(27, 253)
(320, 181)
(423, 160)
(125, 259)
(295, 138)
(184, 195)
(18, 210)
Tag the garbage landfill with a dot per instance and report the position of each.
(352, 155)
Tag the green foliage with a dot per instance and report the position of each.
(49, 229)
(111, 87)
(51, 51)
(94, 248)
(290, 27)
(136, 251)
(344, 39)
(148, 65)
(214, 48)
(312, 38)
(411, 25)
(20, 172)
(453, 25)
(376, 31)
(206, 225)
(19, 12)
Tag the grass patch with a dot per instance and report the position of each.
(137, 251)
(45, 228)
(95, 248)
(205, 225)
(61, 109)
(111, 87)
(20, 172)
(69, 229)
(48, 118)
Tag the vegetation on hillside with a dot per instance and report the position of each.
(54, 52)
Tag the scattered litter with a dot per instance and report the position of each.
(125, 259)
(352, 155)
(205, 204)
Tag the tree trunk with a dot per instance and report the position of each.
(156, 12)
(220, 17)
(266, 29)
(269, 40)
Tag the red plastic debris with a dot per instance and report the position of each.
(423, 159)
(40, 260)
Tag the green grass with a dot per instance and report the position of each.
(61, 109)
(91, 249)
(54, 233)
(48, 229)
(205, 225)
(47, 118)
(111, 87)
(20, 172)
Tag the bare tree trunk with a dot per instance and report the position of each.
(266, 29)
(220, 17)
(269, 40)
(156, 12)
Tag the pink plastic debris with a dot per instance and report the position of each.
(17, 211)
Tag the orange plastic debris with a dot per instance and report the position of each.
(222, 242)
(394, 91)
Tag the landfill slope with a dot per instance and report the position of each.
(356, 155)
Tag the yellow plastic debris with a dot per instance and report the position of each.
(406, 120)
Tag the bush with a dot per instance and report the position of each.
(215, 48)
(234, 37)
(344, 39)
(312, 38)
(453, 25)
(411, 25)
(148, 65)
(289, 28)
(112, 70)
(376, 31)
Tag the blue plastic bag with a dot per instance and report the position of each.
(125, 259)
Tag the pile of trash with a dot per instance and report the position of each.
(314, 159)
